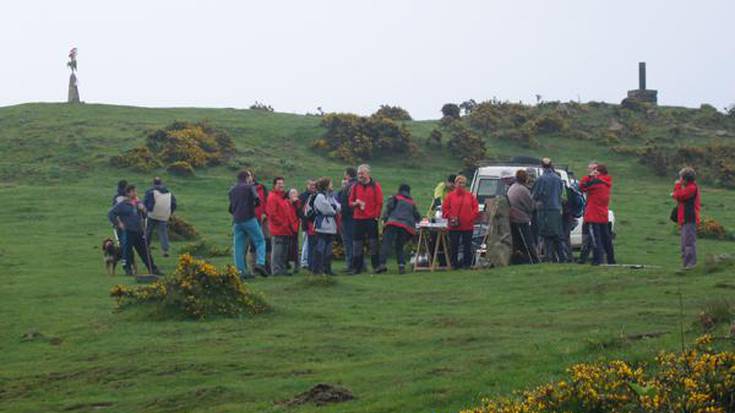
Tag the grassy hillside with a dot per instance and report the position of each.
(420, 342)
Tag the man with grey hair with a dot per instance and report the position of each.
(366, 200)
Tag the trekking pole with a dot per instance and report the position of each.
(525, 245)
(147, 247)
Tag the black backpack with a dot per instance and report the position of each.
(310, 212)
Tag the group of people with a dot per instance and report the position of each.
(267, 225)
(548, 210)
(134, 221)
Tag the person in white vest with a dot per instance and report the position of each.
(160, 204)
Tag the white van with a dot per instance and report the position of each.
(487, 183)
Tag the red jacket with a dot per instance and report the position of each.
(263, 207)
(461, 204)
(282, 220)
(372, 195)
(598, 198)
(683, 193)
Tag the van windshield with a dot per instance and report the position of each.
(489, 188)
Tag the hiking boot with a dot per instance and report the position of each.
(157, 272)
(165, 254)
(260, 270)
(381, 269)
(401, 269)
(129, 272)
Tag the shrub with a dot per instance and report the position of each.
(205, 249)
(197, 144)
(698, 380)
(354, 138)
(467, 146)
(450, 110)
(485, 117)
(396, 113)
(550, 123)
(710, 228)
(435, 137)
(468, 106)
(181, 168)
(140, 159)
(196, 290)
(180, 230)
(261, 107)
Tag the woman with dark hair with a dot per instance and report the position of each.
(461, 209)
(686, 193)
(325, 225)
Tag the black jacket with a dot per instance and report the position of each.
(243, 201)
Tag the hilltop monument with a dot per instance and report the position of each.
(73, 90)
(642, 94)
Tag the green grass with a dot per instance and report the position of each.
(415, 343)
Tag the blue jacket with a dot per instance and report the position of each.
(150, 201)
(547, 190)
(128, 214)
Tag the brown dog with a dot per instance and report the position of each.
(112, 255)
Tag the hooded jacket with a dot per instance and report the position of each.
(401, 212)
(689, 201)
(461, 204)
(282, 220)
(597, 189)
(547, 190)
(326, 213)
(159, 202)
(260, 209)
(372, 194)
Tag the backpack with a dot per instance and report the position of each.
(310, 211)
(575, 201)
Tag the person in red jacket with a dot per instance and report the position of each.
(461, 209)
(281, 220)
(366, 200)
(597, 185)
(689, 202)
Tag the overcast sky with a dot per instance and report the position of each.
(352, 56)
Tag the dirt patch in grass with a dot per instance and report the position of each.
(320, 395)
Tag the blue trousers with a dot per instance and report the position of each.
(242, 232)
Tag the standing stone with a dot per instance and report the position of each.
(73, 90)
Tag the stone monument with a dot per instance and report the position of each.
(642, 94)
(73, 90)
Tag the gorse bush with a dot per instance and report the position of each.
(467, 145)
(178, 145)
(710, 228)
(354, 138)
(714, 161)
(698, 380)
(197, 290)
(396, 113)
(180, 230)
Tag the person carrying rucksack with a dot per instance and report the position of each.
(160, 204)
(400, 218)
(326, 208)
(572, 209)
(547, 192)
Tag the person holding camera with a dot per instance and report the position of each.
(461, 209)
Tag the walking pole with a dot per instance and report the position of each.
(525, 245)
(147, 250)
